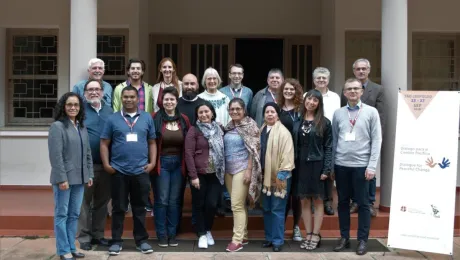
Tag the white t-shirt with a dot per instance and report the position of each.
(220, 103)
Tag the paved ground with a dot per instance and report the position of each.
(44, 248)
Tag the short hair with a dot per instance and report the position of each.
(208, 72)
(362, 60)
(236, 65)
(240, 102)
(170, 90)
(351, 80)
(135, 60)
(321, 70)
(93, 80)
(275, 70)
(93, 61)
(129, 88)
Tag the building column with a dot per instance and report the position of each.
(3, 82)
(83, 38)
(394, 78)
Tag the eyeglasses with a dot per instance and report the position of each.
(237, 109)
(236, 73)
(70, 105)
(353, 89)
(93, 90)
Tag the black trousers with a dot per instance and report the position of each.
(132, 189)
(350, 179)
(205, 202)
(328, 186)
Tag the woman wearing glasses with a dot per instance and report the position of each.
(71, 169)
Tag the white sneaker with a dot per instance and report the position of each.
(210, 238)
(203, 242)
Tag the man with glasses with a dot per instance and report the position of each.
(91, 224)
(356, 142)
(372, 96)
(236, 88)
(96, 69)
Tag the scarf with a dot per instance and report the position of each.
(249, 131)
(214, 134)
(161, 117)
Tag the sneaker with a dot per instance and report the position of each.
(162, 242)
(245, 242)
(296, 235)
(145, 248)
(353, 208)
(210, 238)
(148, 208)
(115, 249)
(234, 247)
(172, 241)
(203, 242)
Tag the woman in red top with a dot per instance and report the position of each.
(204, 156)
(168, 176)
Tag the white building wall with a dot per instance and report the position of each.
(24, 160)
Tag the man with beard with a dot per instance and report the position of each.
(265, 95)
(96, 69)
(236, 88)
(189, 100)
(135, 71)
(91, 223)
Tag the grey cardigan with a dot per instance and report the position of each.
(65, 156)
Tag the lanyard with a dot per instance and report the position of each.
(294, 118)
(131, 126)
(273, 97)
(353, 122)
(233, 93)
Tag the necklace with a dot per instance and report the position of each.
(306, 127)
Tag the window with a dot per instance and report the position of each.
(112, 48)
(434, 64)
(32, 73)
(364, 45)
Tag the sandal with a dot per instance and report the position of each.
(314, 244)
(307, 241)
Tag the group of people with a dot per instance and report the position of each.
(282, 148)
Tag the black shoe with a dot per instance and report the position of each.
(343, 243)
(328, 210)
(228, 205)
(86, 246)
(65, 258)
(163, 242)
(220, 213)
(267, 244)
(102, 242)
(362, 248)
(277, 248)
(172, 241)
(78, 255)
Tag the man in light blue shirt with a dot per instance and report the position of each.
(96, 69)
(236, 88)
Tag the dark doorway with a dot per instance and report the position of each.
(258, 56)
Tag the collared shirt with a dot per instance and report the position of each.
(269, 96)
(141, 93)
(331, 101)
(365, 84)
(354, 110)
(242, 92)
(129, 158)
(94, 121)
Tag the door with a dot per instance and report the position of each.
(302, 57)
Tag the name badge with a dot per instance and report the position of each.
(349, 137)
(131, 137)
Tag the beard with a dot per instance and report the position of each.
(190, 94)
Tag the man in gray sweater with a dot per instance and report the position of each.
(357, 137)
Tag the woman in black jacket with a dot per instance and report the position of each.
(313, 155)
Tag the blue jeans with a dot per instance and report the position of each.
(350, 179)
(274, 210)
(67, 204)
(167, 189)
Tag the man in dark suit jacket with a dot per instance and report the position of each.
(372, 96)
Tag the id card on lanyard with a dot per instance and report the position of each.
(131, 136)
(233, 93)
(351, 136)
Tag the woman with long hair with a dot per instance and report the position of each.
(71, 169)
(242, 169)
(290, 97)
(205, 160)
(167, 77)
(313, 154)
(277, 160)
(168, 176)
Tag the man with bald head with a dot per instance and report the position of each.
(189, 100)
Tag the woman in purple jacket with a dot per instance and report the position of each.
(204, 157)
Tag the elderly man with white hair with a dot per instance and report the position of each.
(96, 69)
(211, 82)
